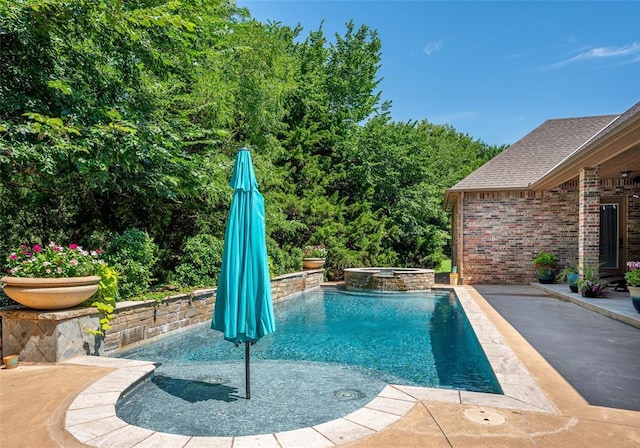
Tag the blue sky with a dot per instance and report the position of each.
(493, 70)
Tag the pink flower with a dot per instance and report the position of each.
(37, 248)
(73, 246)
(99, 251)
(73, 262)
(13, 256)
(633, 265)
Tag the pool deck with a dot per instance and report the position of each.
(71, 404)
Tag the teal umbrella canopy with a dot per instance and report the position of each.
(243, 308)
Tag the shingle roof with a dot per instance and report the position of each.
(530, 158)
(632, 112)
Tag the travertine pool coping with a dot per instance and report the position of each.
(91, 417)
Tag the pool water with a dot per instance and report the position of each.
(333, 351)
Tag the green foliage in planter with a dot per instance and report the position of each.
(315, 251)
(200, 262)
(632, 276)
(590, 280)
(545, 262)
(132, 254)
(52, 260)
(571, 268)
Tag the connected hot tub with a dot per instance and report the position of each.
(389, 279)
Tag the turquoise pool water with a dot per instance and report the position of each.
(332, 352)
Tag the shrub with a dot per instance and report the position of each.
(281, 260)
(200, 262)
(132, 254)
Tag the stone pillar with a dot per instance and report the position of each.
(589, 217)
(50, 336)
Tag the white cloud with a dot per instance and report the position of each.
(602, 53)
(432, 47)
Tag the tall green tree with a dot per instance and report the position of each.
(122, 115)
(89, 138)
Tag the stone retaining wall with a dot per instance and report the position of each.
(136, 322)
(53, 336)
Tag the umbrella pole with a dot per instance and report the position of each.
(247, 374)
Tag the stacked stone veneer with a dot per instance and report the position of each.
(53, 336)
(496, 235)
(389, 279)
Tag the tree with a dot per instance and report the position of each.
(126, 115)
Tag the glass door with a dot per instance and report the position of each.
(611, 236)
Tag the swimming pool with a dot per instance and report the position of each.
(332, 352)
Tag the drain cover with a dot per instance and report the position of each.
(347, 394)
(215, 380)
(484, 417)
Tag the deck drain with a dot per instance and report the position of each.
(347, 394)
(484, 417)
(215, 380)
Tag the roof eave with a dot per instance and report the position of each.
(487, 189)
(594, 153)
(452, 194)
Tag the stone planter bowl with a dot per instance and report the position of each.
(50, 293)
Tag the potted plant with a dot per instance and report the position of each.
(545, 264)
(589, 284)
(571, 274)
(632, 277)
(314, 257)
(52, 277)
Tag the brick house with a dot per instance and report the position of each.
(570, 187)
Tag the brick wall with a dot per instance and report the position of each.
(503, 232)
(497, 234)
(589, 216)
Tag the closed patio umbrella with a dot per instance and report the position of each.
(243, 308)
